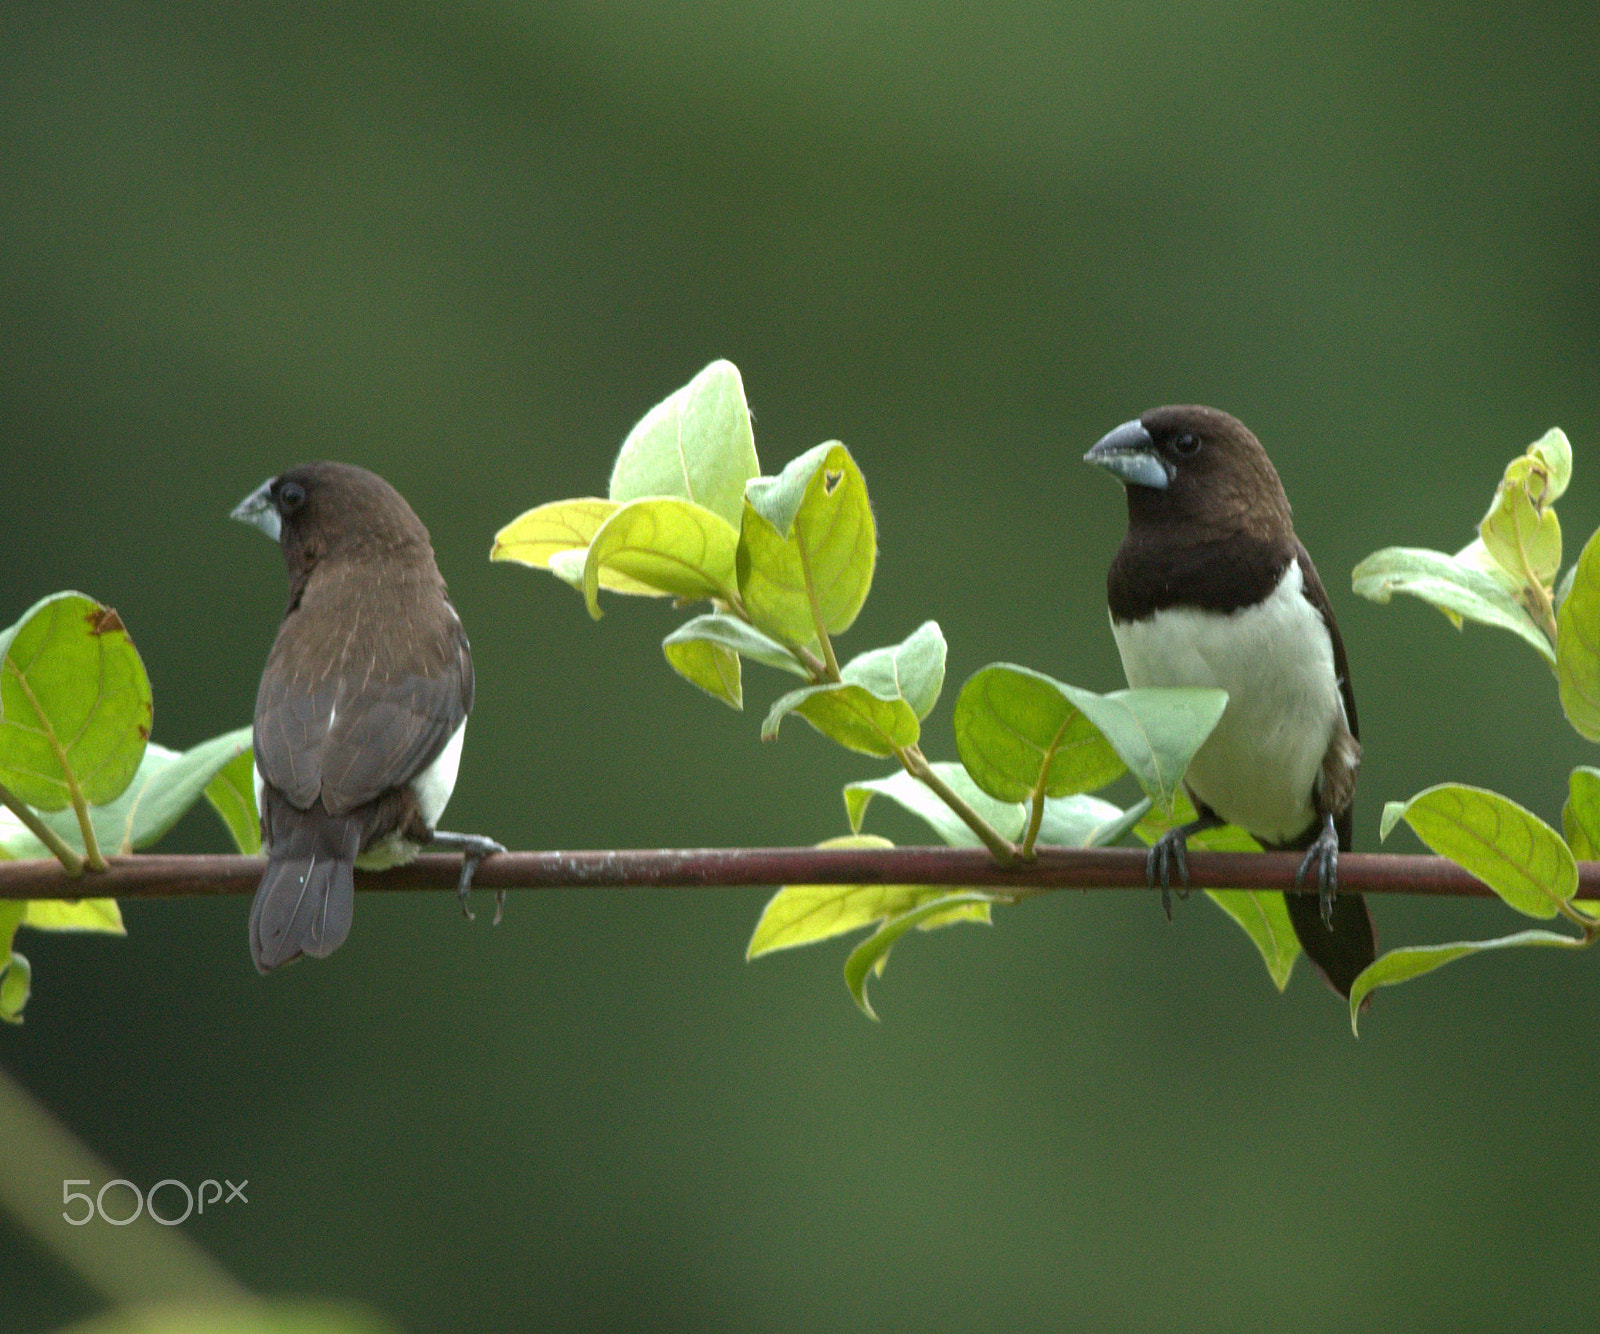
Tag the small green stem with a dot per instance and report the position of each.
(1035, 819)
(1536, 597)
(916, 764)
(1543, 610)
(70, 861)
(91, 845)
(1588, 925)
(815, 667)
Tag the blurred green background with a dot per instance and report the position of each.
(468, 246)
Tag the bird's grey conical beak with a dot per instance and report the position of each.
(1130, 454)
(257, 508)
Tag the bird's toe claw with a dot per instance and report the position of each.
(473, 848)
(1325, 853)
(1165, 853)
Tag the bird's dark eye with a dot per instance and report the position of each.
(291, 495)
(1187, 445)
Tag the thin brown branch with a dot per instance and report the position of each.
(156, 876)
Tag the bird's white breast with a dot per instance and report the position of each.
(1259, 769)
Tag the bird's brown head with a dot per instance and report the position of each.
(1196, 467)
(326, 510)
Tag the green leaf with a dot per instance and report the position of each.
(849, 714)
(878, 705)
(561, 525)
(1264, 917)
(710, 666)
(1261, 914)
(197, 1311)
(102, 916)
(1509, 848)
(1410, 961)
(1017, 731)
(807, 546)
(920, 800)
(232, 794)
(696, 444)
(1455, 586)
(736, 636)
(803, 914)
(16, 977)
(74, 703)
(1580, 817)
(1074, 822)
(1155, 731)
(166, 785)
(1475, 556)
(1564, 586)
(1105, 828)
(1578, 644)
(16, 985)
(673, 547)
(556, 537)
(1224, 838)
(912, 670)
(1519, 532)
(1554, 454)
(873, 953)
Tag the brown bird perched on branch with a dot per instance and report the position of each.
(362, 706)
(1211, 587)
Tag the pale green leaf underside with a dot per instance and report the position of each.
(804, 914)
(1453, 586)
(873, 953)
(1580, 817)
(912, 670)
(1509, 848)
(1578, 644)
(709, 666)
(696, 444)
(1264, 917)
(737, 637)
(1261, 914)
(232, 794)
(1155, 731)
(1412, 961)
(850, 715)
(866, 711)
(167, 783)
(1076, 821)
(672, 546)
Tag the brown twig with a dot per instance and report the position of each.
(158, 876)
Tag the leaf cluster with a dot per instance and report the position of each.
(1509, 577)
(786, 562)
(79, 776)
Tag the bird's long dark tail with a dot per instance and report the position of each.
(1342, 950)
(307, 895)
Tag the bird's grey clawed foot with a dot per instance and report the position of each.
(1166, 852)
(1325, 852)
(473, 849)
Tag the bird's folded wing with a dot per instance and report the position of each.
(349, 740)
